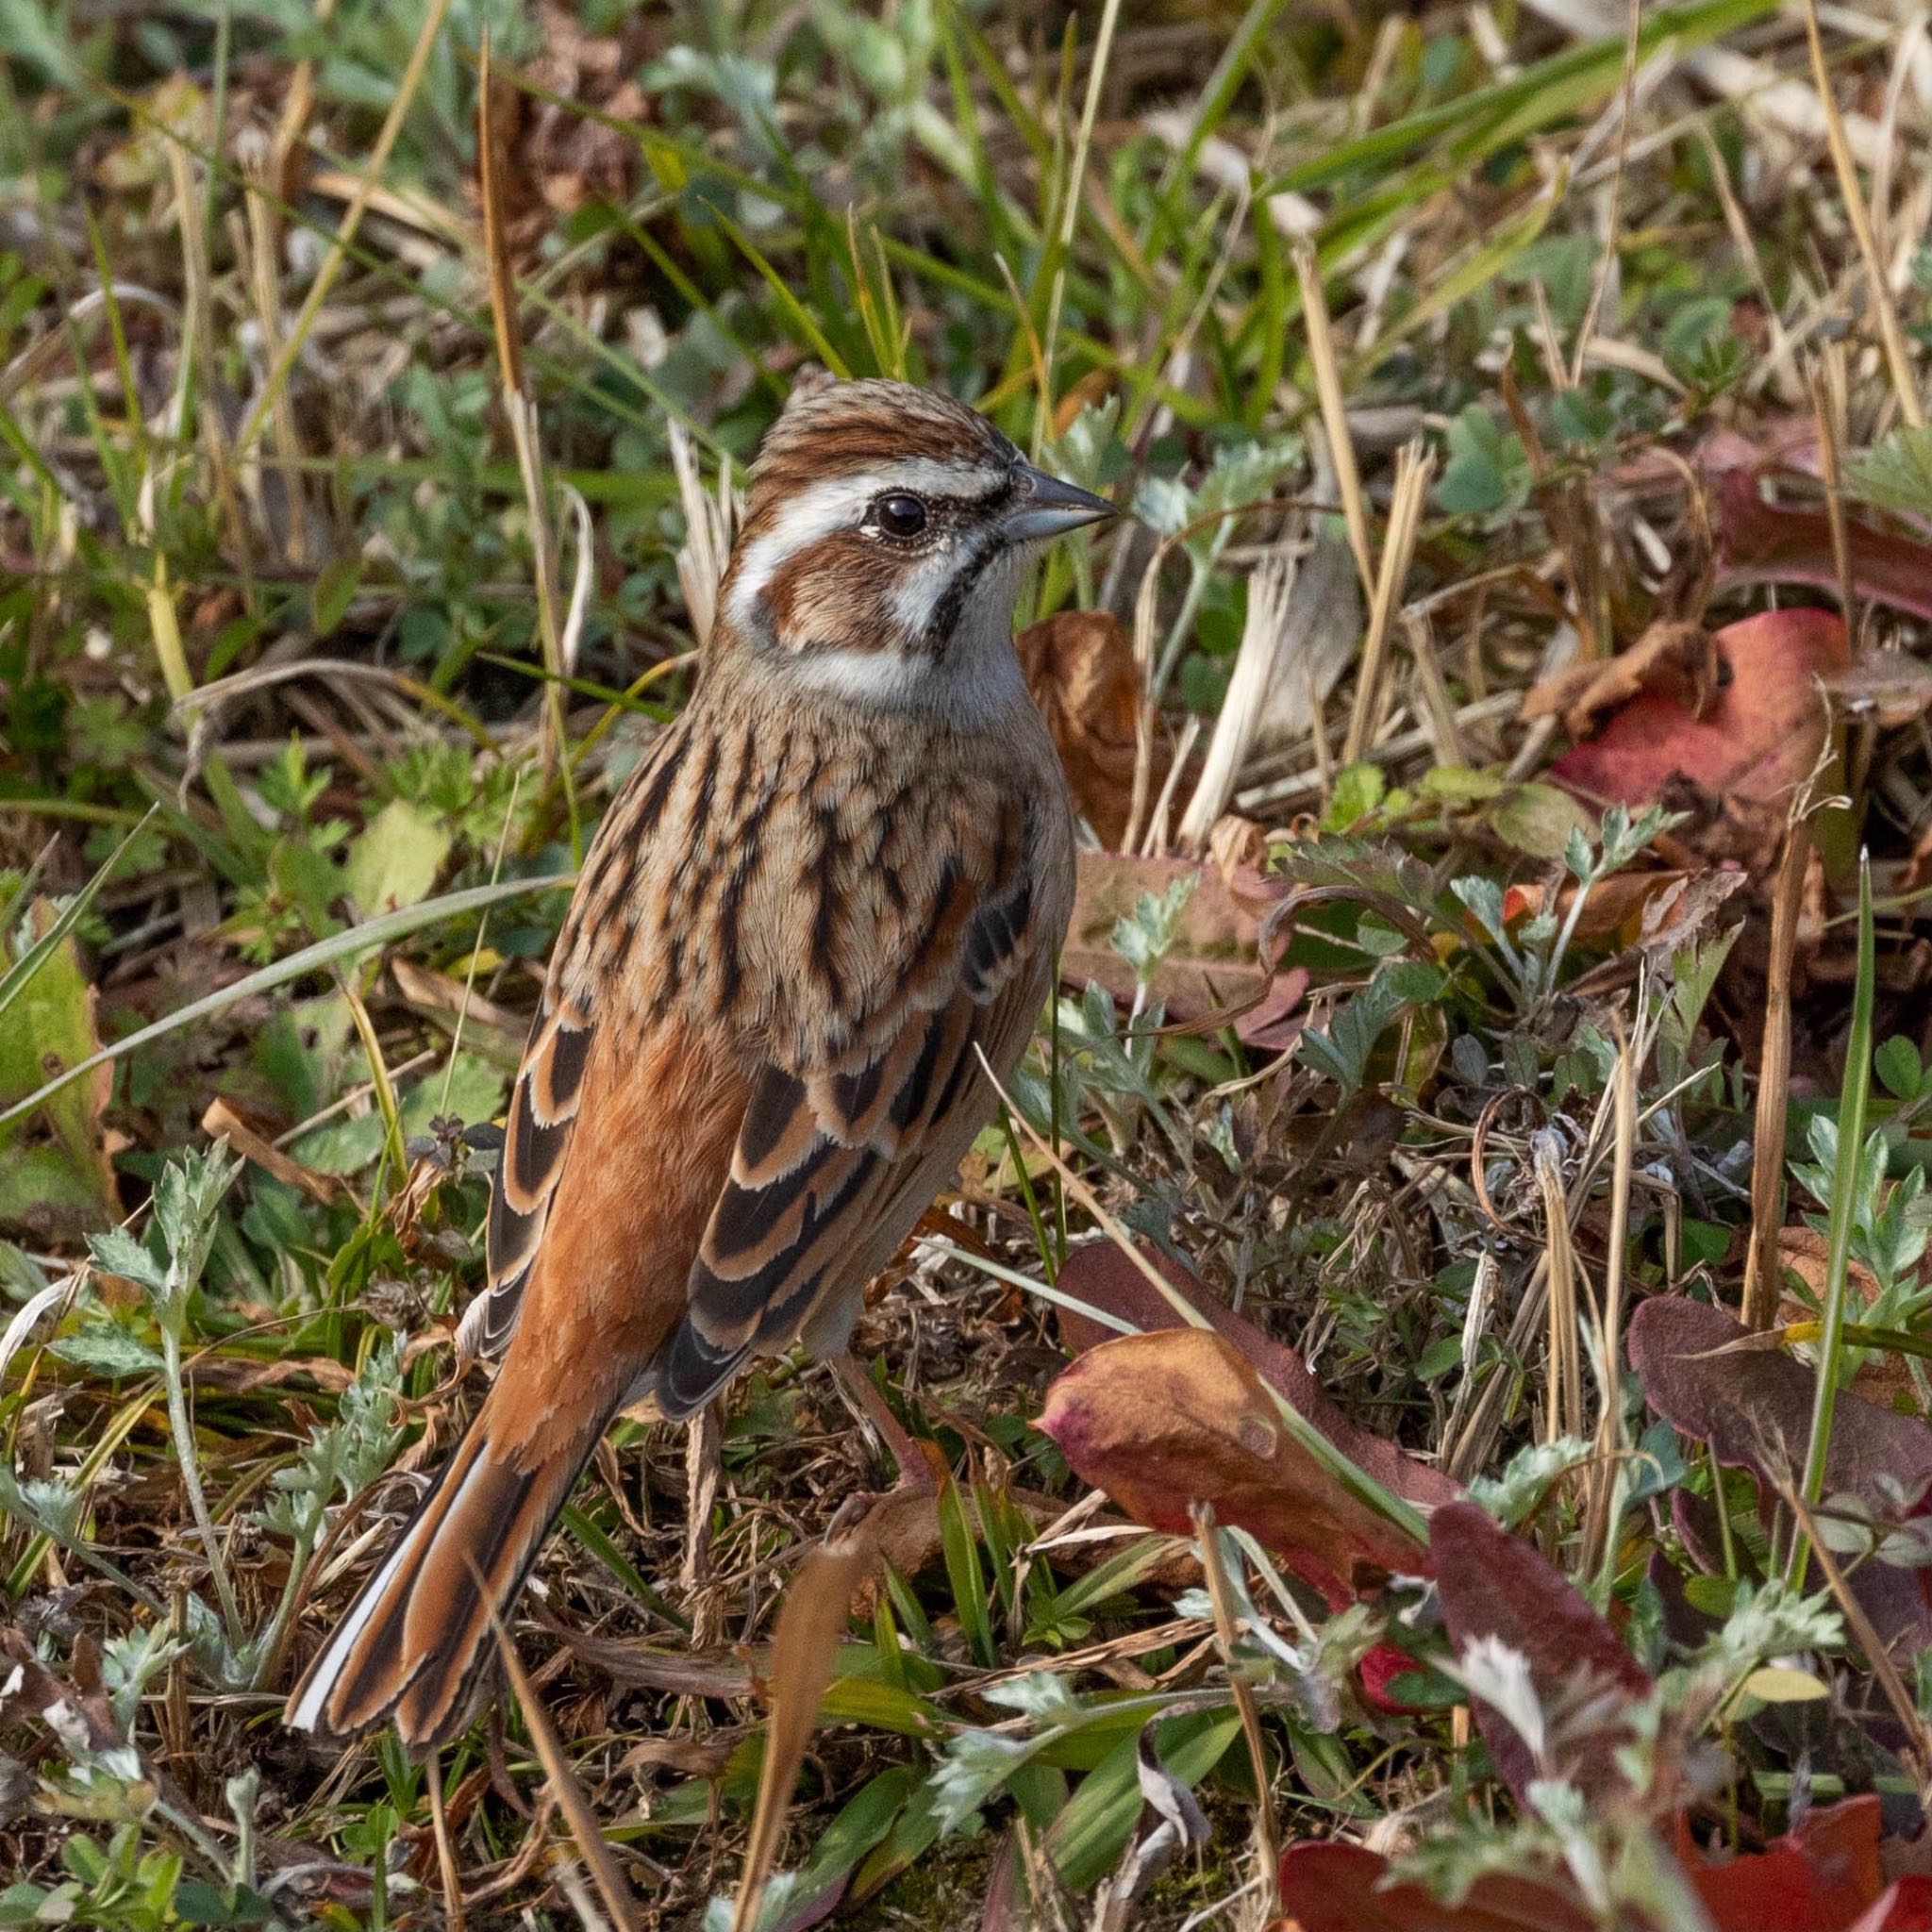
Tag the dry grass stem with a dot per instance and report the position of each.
(1606, 1468)
(1414, 468)
(352, 220)
(1226, 1633)
(1878, 282)
(1764, 1268)
(810, 1622)
(1563, 1397)
(626, 1913)
(1264, 629)
(1329, 393)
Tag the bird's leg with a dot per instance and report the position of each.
(863, 1397)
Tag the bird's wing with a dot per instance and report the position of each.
(842, 1143)
(550, 1083)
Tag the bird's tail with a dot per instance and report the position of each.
(414, 1646)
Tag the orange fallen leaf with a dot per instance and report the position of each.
(1677, 661)
(1164, 1420)
(1079, 666)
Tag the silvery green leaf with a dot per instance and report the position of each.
(117, 1252)
(188, 1199)
(1768, 1621)
(1163, 504)
(1511, 1497)
(975, 1766)
(1500, 1675)
(1145, 937)
(1080, 454)
(1484, 898)
(109, 1350)
(130, 1662)
(1042, 1695)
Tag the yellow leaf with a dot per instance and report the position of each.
(1781, 1684)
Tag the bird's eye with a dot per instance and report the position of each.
(899, 515)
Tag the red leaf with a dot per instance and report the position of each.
(1769, 543)
(1102, 1276)
(1752, 1406)
(1823, 1877)
(1333, 1888)
(1493, 1584)
(1756, 740)
(1162, 1420)
(1815, 1879)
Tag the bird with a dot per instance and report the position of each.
(816, 925)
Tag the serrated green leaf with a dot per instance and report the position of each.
(393, 860)
(105, 1348)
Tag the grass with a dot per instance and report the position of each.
(341, 554)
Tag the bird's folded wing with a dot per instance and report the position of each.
(842, 1146)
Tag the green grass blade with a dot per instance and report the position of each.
(1845, 1198)
(336, 948)
(20, 974)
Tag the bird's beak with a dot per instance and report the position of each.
(1050, 508)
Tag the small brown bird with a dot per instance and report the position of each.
(835, 882)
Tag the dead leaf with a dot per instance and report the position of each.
(1343, 1887)
(1496, 1585)
(1711, 1377)
(221, 1121)
(1213, 965)
(1736, 767)
(1100, 1275)
(1824, 1877)
(1762, 543)
(811, 1619)
(1166, 1420)
(1886, 685)
(1079, 666)
(1803, 1251)
(1656, 910)
(1676, 661)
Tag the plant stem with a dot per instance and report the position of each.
(191, 1477)
(1845, 1199)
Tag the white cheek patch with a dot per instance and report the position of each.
(810, 517)
(917, 600)
(840, 502)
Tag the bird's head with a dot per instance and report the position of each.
(883, 542)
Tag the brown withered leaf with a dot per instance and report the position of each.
(1079, 666)
(1654, 910)
(1213, 966)
(1104, 1277)
(1675, 662)
(1803, 1251)
(1166, 1420)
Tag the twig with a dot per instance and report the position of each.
(1763, 1270)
